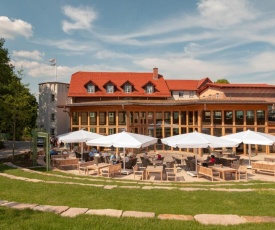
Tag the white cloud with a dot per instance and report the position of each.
(11, 28)
(35, 55)
(81, 18)
(224, 13)
(102, 54)
(263, 62)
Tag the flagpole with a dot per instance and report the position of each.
(55, 70)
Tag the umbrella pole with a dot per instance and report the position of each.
(249, 152)
(81, 151)
(124, 158)
(196, 159)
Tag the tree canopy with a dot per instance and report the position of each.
(222, 81)
(18, 107)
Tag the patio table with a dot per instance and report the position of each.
(96, 167)
(154, 169)
(231, 159)
(223, 170)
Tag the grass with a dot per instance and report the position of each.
(255, 203)
(28, 219)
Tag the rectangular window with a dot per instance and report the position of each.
(52, 132)
(217, 117)
(52, 117)
(127, 88)
(159, 118)
(175, 118)
(250, 117)
(142, 116)
(239, 117)
(217, 95)
(102, 118)
(167, 118)
(183, 118)
(112, 118)
(93, 118)
(191, 94)
(102, 131)
(190, 117)
(181, 94)
(206, 117)
(91, 89)
(109, 89)
(150, 118)
(84, 118)
(149, 89)
(75, 120)
(260, 117)
(93, 129)
(111, 131)
(122, 118)
(228, 117)
(52, 97)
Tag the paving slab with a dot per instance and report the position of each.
(50, 208)
(124, 186)
(138, 214)
(110, 186)
(73, 212)
(3, 202)
(232, 190)
(23, 206)
(175, 217)
(105, 212)
(259, 219)
(35, 180)
(219, 219)
(192, 189)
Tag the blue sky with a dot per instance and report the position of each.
(185, 39)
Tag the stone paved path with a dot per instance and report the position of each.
(204, 219)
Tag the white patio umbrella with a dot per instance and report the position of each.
(123, 140)
(197, 140)
(251, 137)
(79, 136)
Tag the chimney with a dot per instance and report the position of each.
(155, 73)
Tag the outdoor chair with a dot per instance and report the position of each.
(177, 161)
(77, 155)
(171, 173)
(242, 171)
(146, 162)
(139, 171)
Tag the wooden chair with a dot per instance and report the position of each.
(139, 171)
(171, 173)
(242, 170)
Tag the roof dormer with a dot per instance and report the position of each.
(127, 87)
(149, 87)
(90, 87)
(110, 87)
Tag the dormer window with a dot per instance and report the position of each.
(149, 89)
(109, 88)
(90, 88)
(191, 94)
(127, 88)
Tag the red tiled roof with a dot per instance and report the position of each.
(138, 80)
(240, 85)
(186, 84)
(215, 85)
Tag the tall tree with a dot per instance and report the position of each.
(222, 81)
(18, 107)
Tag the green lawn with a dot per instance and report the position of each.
(254, 203)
